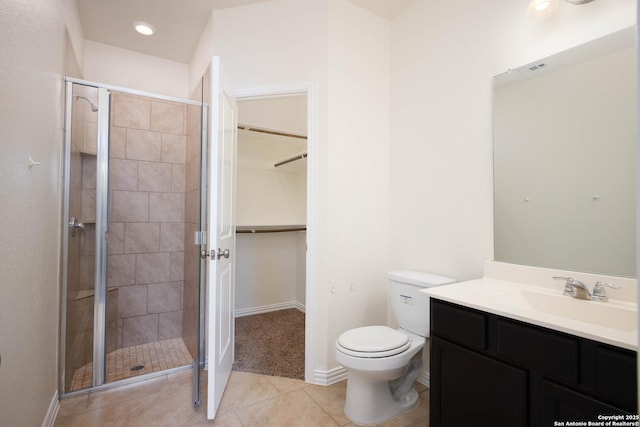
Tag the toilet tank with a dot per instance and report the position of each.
(411, 307)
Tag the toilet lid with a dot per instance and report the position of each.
(373, 341)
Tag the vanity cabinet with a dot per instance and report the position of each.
(489, 370)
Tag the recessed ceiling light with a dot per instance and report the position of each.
(542, 5)
(540, 8)
(144, 28)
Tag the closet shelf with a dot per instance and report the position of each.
(255, 229)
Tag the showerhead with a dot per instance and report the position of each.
(94, 107)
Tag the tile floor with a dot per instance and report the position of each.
(153, 357)
(249, 400)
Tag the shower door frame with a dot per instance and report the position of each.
(101, 245)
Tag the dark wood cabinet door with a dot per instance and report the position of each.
(562, 405)
(471, 389)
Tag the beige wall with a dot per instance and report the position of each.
(285, 114)
(357, 171)
(267, 272)
(266, 195)
(105, 64)
(31, 70)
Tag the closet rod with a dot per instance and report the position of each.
(291, 159)
(271, 132)
(274, 230)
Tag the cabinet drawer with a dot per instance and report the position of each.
(461, 325)
(616, 376)
(539, 349)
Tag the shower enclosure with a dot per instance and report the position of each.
(134, 200)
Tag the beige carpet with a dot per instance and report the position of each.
(271, 344)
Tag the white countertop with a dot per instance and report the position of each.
(505, 299)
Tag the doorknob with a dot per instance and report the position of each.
(215, 255)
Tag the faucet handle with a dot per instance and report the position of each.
(568, 286)
(599, 293)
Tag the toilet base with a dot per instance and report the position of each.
(373, 400)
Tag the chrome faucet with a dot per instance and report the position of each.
(599, 293)
(74, 226)
(577, 289)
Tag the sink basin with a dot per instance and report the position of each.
(604, 314)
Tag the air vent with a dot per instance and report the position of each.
(537, 66)
(526, 70)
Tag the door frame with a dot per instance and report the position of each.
(309, 89)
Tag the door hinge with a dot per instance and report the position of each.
(199, 238)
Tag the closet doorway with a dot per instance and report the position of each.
(271, 238)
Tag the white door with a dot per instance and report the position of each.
(220, 238)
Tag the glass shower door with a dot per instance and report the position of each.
(79, 238)
(131, 302)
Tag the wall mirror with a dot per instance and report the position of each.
(565, 159)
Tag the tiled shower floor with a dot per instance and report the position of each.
(153, 357)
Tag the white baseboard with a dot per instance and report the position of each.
(425, 379)
(338, 374)
(329, 377)
(268, 308)
(54, 406)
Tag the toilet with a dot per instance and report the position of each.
(383, 363)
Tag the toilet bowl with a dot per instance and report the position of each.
(371, 399)
(383, 363)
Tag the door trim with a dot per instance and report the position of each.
(310, 89)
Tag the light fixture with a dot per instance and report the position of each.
(540, 8)
(144, 28)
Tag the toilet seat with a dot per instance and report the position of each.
(373, 341)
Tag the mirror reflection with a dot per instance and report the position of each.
(565, 159)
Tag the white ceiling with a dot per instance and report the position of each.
(178, 23)
(385, 8)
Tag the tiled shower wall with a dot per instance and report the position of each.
(79, 337)
(147, 218)
(81, 244)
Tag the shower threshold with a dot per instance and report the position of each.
(125, 362)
